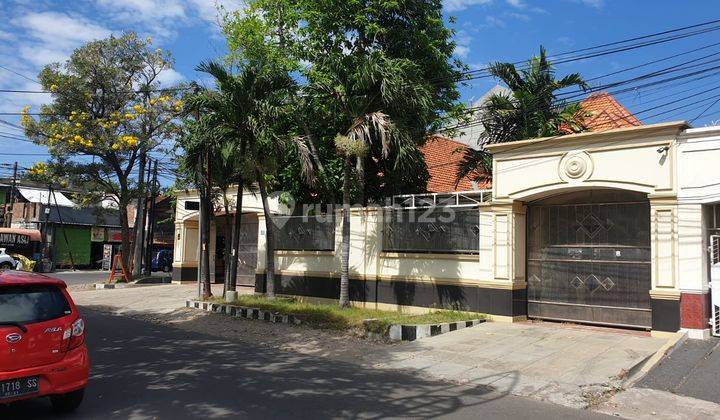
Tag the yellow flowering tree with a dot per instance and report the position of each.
(107, 112)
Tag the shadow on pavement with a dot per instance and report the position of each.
(143, 370)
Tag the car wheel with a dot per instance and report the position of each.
(5, 265)
(65, 403)
(167, 268)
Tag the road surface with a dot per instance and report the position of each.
(87, 276)
(147, 371)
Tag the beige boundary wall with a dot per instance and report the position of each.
(662, 161)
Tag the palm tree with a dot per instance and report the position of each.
(532, 110)
(375, 86)
(251, 116)
(199, 140)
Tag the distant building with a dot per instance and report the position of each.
(76, 235)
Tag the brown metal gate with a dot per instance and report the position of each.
(590, 262)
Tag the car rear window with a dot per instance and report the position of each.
(28, 304)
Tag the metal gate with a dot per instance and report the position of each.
(715, 284)
(590, 262)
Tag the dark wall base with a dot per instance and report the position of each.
(184, 273)
(665, 315)
(500, 302)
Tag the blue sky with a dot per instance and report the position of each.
(37, 32)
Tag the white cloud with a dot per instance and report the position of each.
(462, 41)
(518, 16)
(208, 9)
(457, 5)
(60, 31)
(170, 77)
(493, 22)
(6, 36)
(597, 4)
(518, 4)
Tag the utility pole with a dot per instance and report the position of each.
(9, 213)
(151, 219)
(46, 227)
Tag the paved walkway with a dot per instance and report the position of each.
(565, 364)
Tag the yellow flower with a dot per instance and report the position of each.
(78, 125)
(72, 117)
(138, 108)
(129, 116)
(53, 87)
(115, 146)
(78, 139)
(153, 101)
(26, 119)
(164, 99)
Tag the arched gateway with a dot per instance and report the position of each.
(596, 218)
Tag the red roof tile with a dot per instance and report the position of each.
(606, 113)
(443, 157)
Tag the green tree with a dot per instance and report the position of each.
(378, 75)
(198, 142)
(107, 111)
(531, 110)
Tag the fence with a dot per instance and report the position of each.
(443, 230)
(304, 233)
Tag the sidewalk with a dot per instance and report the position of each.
(565, 364)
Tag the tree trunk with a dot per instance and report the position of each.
(124, 230)
(226, 251)
(137, 254)
(206, 210)
(345, 250)
(360, 170)
(204, 228)
(236, 229)
(269, 242)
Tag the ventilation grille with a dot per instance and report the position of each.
(715, 249)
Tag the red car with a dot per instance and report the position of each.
(42, 342)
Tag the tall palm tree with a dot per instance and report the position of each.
(374, 87)
(531, 110)
(251, 115)
(198, 141)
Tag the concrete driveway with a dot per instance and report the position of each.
(565, 364)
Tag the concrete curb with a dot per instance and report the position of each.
(242, 312)
(400, 332)
(111, 286)
(641, 369)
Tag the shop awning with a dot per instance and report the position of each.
(16, 236)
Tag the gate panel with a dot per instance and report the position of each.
(590, 263)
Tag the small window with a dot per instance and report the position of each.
(192, 205)
(28, 304)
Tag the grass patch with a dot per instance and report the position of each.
(332, 317)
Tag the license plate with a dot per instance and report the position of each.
(17, 387)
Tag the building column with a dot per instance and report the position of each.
(693, 269)
(665, 292)
(502, 255)
(185, 257)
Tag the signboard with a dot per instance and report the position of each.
(12, 239)
(97, 234)
(114, 235)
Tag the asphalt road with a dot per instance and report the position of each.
(691, 370)
(142, 370)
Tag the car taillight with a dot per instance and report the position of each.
(76, 334)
